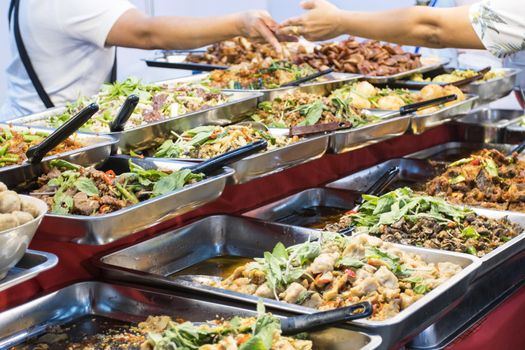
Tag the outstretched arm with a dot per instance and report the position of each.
(136, 29)
(417, 26)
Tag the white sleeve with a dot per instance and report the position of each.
(91, 20)
(500, 25)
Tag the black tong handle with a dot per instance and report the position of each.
(304, 323)
(375, 190)
(125, 112)
(313, 76)
(36, 153)
(518, 149)
(218, 162)
(414, 107)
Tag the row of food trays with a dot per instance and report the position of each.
(102, 185)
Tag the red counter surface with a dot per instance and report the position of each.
(500, 329)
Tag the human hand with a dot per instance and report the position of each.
(258, 24)
(321, 22)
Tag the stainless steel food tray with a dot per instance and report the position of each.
(452, 151)
(292, 208)
(144, 136)
(392, 78)
(483, 296)
(422, 123)
(31, 265)
(336, 81)
(103, 229)
(514, 133)
(487, 125)
(273, 161)
(411, 173)
(96, 150)
(487, 91)
(392, 125)
(153, 261)
(132, 305)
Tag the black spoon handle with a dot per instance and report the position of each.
(218, 162)
(300, 81)
(36, 153)
(414, 107)
(125, 112)
(304, 323)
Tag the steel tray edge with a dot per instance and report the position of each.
(50, 262)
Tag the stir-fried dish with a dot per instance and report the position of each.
(405, 217)
(521, 122)
(487, 179)
(71, 189)
(367, 57)
(338, 271)
(364, 95)
(208, 141)
(14, 145)
(241, 50)
(301, 108)
(156, 103)
(457, 75)
(264, 75)
(164, 333)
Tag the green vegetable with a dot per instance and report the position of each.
(472, 250)
(63, 164)
(421, 289)
(461, 162)
(470, 232)
(491, 167)
(349, 262)
(457, 179)
(390, 260)
(312, 113)
(174, 181)
(83, 184)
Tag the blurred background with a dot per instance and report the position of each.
(130, 60)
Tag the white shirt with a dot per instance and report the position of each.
(65, 41)
(500, 24)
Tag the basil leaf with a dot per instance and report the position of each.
(470, 232)
(350, 262)
(83, 184)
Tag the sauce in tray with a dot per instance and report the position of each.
(221, 266)
(314, 217)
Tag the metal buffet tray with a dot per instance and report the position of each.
(303, 208)
(487, 125)
(32, 264)
(514, 133)
(452, 151)
(102, 229)
(96, 150)
(154, 261)
(392, 78)
(87, 305)
(392, 125)
(422, 123)
(144, 136)
(487, 91)
(412, 174)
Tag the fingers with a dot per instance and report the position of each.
(309, 5)
(268, 35)
(293, 22)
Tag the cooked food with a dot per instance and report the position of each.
(71, 189)
(522, 120)
(457, 75)
(14, 210)
(208, 141)
(487, 179)
(368, 57)
(164, 333)
(242, 50)
(364, 95)
(301, 108)
(265, 75)
(157, 102)
(337, 271)
(14, 145)
(403, 216)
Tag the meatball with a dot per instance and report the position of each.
(30, 208)
(22, 217)
(7, 221)
(9, 202)
(3, 187)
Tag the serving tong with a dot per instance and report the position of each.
(307, 78)
(36, 153)
(466, 81)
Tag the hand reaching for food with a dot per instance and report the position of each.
(321, 22)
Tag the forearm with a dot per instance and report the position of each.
(186, 33)
(417, 26)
